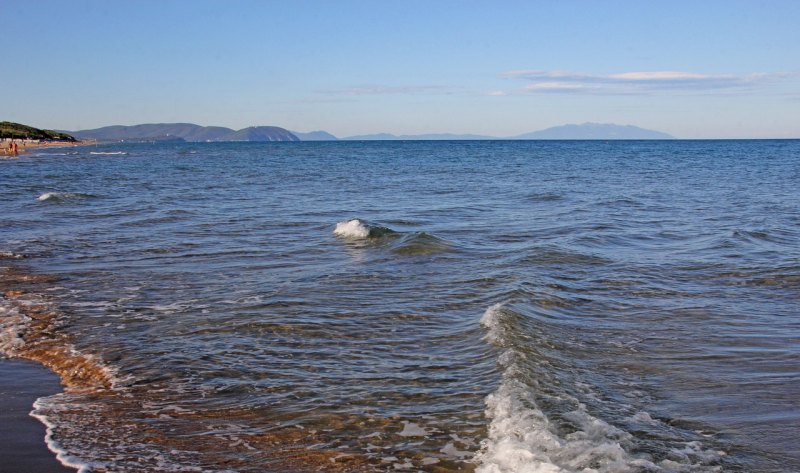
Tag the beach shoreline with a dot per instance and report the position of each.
(25, 145)
(29, 372)
(22, 437)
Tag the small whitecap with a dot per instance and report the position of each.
(58, 196)
(354, 229)
(48, 196)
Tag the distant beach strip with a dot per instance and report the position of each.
(16, 138)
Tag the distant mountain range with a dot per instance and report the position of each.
(315, 136)
(185, 132)
(428, 137)
(585, 131)
(192, 132)
(595, 131)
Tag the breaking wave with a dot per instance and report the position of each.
(398, 243)
(522, 437)
(59, 196)
(356, 229)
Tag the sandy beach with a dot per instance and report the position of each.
(22, 446)
(25, 145)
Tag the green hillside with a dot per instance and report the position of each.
(187, 131)
(18, 131)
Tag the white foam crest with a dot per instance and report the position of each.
(492, 320)
(48, 196)
(355, 229)
(108, 153)
(42, 405)
(57, 196)
(521, 438)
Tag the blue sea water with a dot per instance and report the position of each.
(506, 306)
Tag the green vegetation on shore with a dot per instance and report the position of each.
(18, 131)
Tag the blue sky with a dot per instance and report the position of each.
(695, 69)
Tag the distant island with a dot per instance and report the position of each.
(585, 131)
(595, 131)
(197, 133)
(425, 137)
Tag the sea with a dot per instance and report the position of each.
(477, 306)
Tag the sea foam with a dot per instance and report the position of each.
(354, 229)
(522, 439)
(56, 196)
(49, 403)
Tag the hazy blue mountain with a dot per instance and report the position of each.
(375, 137)
(186, 131)
(261, 133)
(429, 136)
(315, 136)
(594, 131)
(192, 132)
(586, 131)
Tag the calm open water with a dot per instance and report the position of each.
(498, 306)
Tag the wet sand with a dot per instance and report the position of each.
(22, 446)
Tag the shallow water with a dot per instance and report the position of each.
(498, 306)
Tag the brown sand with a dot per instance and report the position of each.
(22, 447)
(5, 150)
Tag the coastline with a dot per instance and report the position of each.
(22, 437)
(35, 363)
(25, 145)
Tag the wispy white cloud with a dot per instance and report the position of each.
(556, 87)
(661, 75)
(390, 90)
(640, 82)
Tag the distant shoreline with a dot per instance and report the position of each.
(25, 145)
